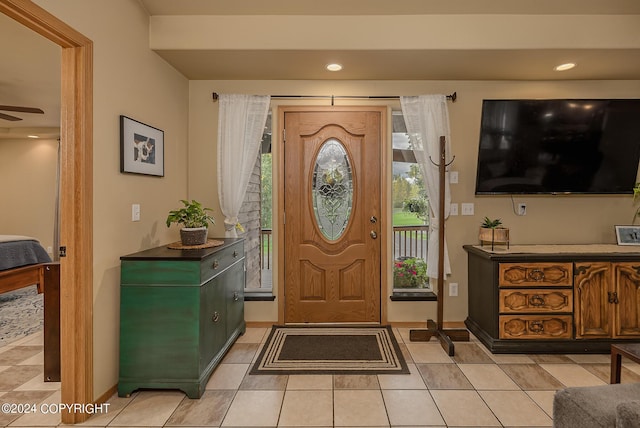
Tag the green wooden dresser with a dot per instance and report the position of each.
(180, 311)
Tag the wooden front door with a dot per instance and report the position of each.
(332, 215)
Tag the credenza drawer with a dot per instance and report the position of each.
(221, 260)
(535, 274)
(536, 300)
(536, 326)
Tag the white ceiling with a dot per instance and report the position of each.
(257, 62)
(30, 70)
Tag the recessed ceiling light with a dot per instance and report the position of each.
(334, 67)
(33, 136)
(565, 66)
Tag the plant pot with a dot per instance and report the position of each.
(497, 235)
(405, 282)
(411, 276)
(193, 235)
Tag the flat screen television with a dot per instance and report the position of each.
(589, 146)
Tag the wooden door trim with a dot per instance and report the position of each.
(385, 198)
(76, 199)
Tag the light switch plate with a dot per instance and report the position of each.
(453, 289)
(467, 208)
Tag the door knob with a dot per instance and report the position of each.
(373, 234)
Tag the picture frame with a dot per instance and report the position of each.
(141, 148)
(628, 234)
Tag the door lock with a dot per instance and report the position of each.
(373, 219)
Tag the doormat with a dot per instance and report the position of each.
(330, 350)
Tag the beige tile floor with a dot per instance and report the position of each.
(472, 389)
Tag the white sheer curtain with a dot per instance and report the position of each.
(427, 118)
(241, 121)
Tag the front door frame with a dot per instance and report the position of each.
(384, 199)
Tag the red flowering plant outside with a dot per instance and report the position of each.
(410, 272)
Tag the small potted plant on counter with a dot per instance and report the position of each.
(194, 219)
(493, 231)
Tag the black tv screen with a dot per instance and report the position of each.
(558, 146)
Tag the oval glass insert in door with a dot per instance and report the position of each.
(332, 192)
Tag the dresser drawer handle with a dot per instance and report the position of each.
(537, 275)
(236, 296)
(536, 300)
(235, 254)
(216, 317)
(536, 327)
(216, 264)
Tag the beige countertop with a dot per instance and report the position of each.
(560, 248)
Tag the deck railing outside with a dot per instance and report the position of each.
(408, 241)
(266, 245)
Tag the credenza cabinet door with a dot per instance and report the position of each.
(591, 292)
(607, 300)
(626, 300)
(213, 321)
(158, 329)
(234, 296)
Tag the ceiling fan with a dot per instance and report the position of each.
(19, 110)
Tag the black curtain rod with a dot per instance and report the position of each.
(451, 97)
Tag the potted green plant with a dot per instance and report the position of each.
(194, 219)
(491, 230)
(410, 272)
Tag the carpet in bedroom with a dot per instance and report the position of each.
(21, 314)
(344, 350)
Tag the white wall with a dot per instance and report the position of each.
(130, 80)
(28, 164)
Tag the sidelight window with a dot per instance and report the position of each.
(410, 215)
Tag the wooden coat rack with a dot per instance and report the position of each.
(435, 328)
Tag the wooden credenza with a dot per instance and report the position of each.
(554, 298)
(180, 312)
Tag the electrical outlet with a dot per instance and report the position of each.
(453, 209)
(522, 209)
(135, 212)
(453, 289)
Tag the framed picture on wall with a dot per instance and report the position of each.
(628, 235)
(141, 148)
